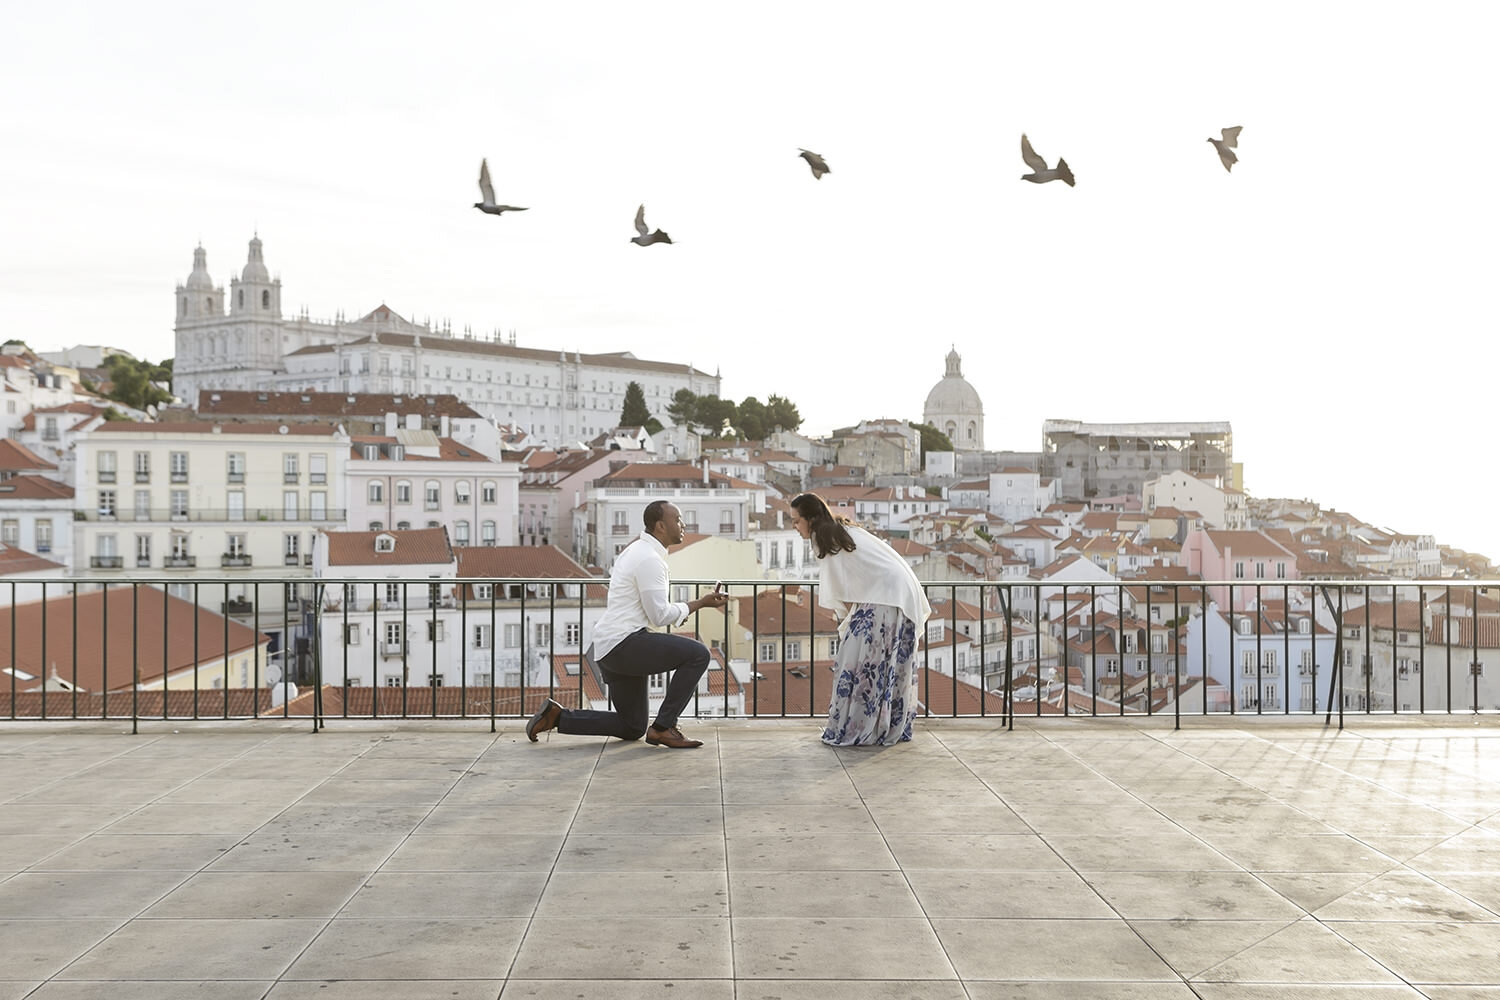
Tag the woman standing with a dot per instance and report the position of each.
(880, 605)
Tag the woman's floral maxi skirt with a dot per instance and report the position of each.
(875, 684)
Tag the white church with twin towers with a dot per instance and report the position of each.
(240, 339)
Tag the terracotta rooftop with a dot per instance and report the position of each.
(413, 546)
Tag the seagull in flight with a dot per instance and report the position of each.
(1226, 145)
(647, 237)
(819, 167)
(1040, 172)
(487, 192)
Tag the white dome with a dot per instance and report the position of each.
(255, 267)
(954, 396)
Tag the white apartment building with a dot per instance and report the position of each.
(1272, 660)
(415, 479)
(241, 340)
(1017, 494)
(229, 509)
(614, 508)
(1222, 508)
(487, 616)
(552, 487)
(882, 508)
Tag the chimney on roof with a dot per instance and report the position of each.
(390, 425)
(414, 421)
(705, 470)
(443, 425)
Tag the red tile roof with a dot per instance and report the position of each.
(414, 546)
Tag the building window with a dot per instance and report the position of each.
(236, 501)
(142, 550)
(1239, 571)
(10, 531)
(177, 464)
(143, 466)
(351, 635)
(234, 545)
(289, 547)
(434, 631)
(106, 503)
(376, 491)
(572, 631)
(432, 495)
(317, 505)
(393, 593)
(487, 533)
(180, 545)
(289, 468)
(403, 492)
(487, 492)
(317, 469)
(484, 591)
(385, 543)
(289, 505)
(512, 636)
(461, 492)
(44, 535)
(543, 634)
(179, 504)
(393, 637)
(106, 467)
(482, 636)
(235, 466)
(461, 533)
(768, 651)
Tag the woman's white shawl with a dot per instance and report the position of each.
(872, 574)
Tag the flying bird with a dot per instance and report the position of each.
(819, 167)
(487, 192)
(647, 237)
(1040, 172)
(1226, 145)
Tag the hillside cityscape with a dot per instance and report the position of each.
(291, 487)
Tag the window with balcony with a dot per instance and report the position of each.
(234, 505)
(142, 551)
(432, 495)
(393, 637)
(143, 467)
(290, 468)
(44, 535)
(289, 505)
(106, 556)
(290, 548)
(179, 505)
(107, 504)
(317, 468)
(177, 466)
(235, 461)
(317, 505)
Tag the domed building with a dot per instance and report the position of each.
(953, 407)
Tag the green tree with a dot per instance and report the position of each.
(781, 412)
(684, 408)
(715, 415)
(932, 440)
(751, 419)
(131, 382)
(634, 413)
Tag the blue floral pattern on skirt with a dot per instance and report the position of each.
(875, 688)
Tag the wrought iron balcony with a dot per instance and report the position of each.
(239, 560)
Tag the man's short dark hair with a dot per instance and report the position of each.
(655, 511)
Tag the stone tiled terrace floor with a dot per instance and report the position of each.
(1106, 859)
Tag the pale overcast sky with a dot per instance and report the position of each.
(1330, 297)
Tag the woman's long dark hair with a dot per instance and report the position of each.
(829, 536)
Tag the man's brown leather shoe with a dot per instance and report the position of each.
(672, 738)
(545, 719)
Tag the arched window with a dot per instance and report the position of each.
(403, 491)
(460, 532)
(432, 495)
(377, 491)
(265, 299)
(487, 533)
(461, 491)
(241, 301)
(210, 303)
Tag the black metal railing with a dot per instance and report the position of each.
(494, 648)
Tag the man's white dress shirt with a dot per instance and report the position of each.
(638, 586)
